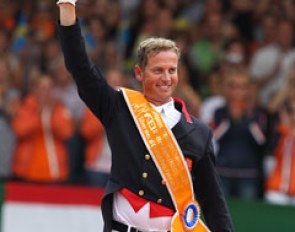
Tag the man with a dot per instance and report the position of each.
(271, 64)
(141, 194)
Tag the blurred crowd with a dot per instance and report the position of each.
(237, 74)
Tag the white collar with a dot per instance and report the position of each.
(169, 113)
(166, 107)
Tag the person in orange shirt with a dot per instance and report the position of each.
(97, 151)
(280, 185)
(42, 125)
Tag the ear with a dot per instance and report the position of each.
(138, 73)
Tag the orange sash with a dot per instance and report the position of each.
(169, 160)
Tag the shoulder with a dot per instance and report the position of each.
(270, 49)
(201, 127)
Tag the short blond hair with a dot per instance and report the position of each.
(153, 46)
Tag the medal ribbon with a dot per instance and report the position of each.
(169, 160)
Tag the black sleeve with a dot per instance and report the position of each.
(92, 87)
(209, 193)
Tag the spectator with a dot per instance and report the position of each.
(242, 17)
(284, 9)
(9, 99)
(280, 185)
(97, 151)
(65, 91)
(283, 93)
(7, 14)
(194, 11)
(141, 25)
(238, 131)
(235, 55)
(101, 44)
(12, 60)
(207, 52)
(41, 125)
(41, 22)
(164, 25)
(185, 92)
(50, 55)
(265, 33)
(215, 100)
(270, 65)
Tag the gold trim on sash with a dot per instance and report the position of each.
(169, 160)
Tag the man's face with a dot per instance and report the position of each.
(159, 77)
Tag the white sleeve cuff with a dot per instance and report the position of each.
(73, 2)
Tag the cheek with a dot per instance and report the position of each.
(148, 84)
(175, 79)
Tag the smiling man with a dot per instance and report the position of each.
(163, 172)
(157, 69)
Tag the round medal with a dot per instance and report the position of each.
(191, 215)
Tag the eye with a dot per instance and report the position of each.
(157, 71)
(172, 70)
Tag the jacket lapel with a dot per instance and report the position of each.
(183, 127)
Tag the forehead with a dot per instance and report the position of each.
(163, 57)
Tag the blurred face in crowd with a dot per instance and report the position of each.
(235, 54)
(61, 75)
(213, 6)
(97, 28)
(159, 76)
(214, 25)
(237, 93)
(43, 90)
(237, 87)
(269, 27)
(285, 34)
(242, 5)
(164, 22)
(115, 78)
(149, 8)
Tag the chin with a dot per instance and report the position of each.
(165, 98)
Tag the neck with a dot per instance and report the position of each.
(157, 102)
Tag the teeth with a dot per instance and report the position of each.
(164, 86)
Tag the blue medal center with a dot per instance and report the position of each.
(191, 215)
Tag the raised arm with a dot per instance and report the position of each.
(92, 87)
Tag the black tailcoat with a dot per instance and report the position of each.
(130, 157)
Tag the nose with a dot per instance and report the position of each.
(166, 76)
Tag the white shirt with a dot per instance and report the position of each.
(264, 62)
(209, 106)
(123, 211)
(168, 112)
